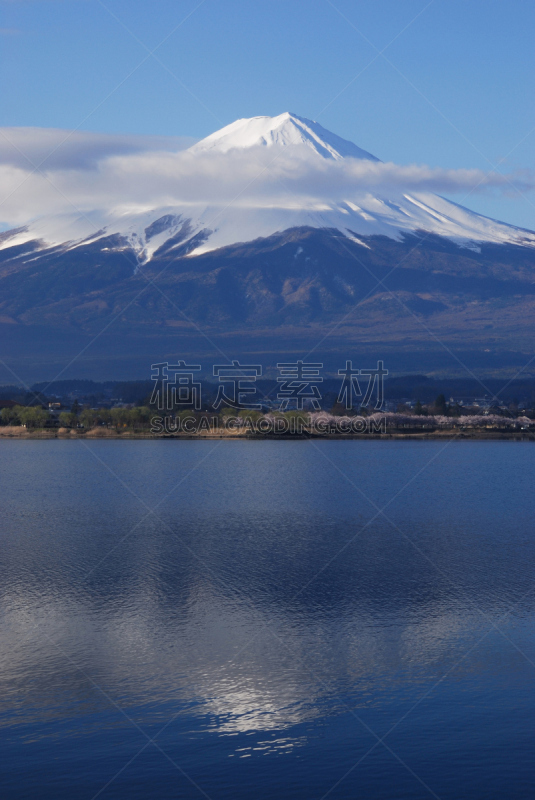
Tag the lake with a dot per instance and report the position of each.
(278, 619)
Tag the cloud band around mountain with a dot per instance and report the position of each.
(49, 171)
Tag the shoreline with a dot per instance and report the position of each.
(470, 435)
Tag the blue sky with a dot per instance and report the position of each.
(452, 88)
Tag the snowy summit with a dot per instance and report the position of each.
(285, 130)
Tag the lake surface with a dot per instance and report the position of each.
(267, 620)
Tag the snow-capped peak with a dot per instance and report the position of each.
(286, 129)
(355, 208)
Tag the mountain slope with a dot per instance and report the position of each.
(411, 303)
(299, 276)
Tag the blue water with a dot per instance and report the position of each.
(267, 620)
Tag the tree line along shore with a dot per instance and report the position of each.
(146, 422)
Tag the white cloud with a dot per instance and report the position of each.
(55, 148)
(86, 171)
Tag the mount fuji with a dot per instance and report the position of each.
(195, 228)
(253, 237)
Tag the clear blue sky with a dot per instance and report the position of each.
(456, 91)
